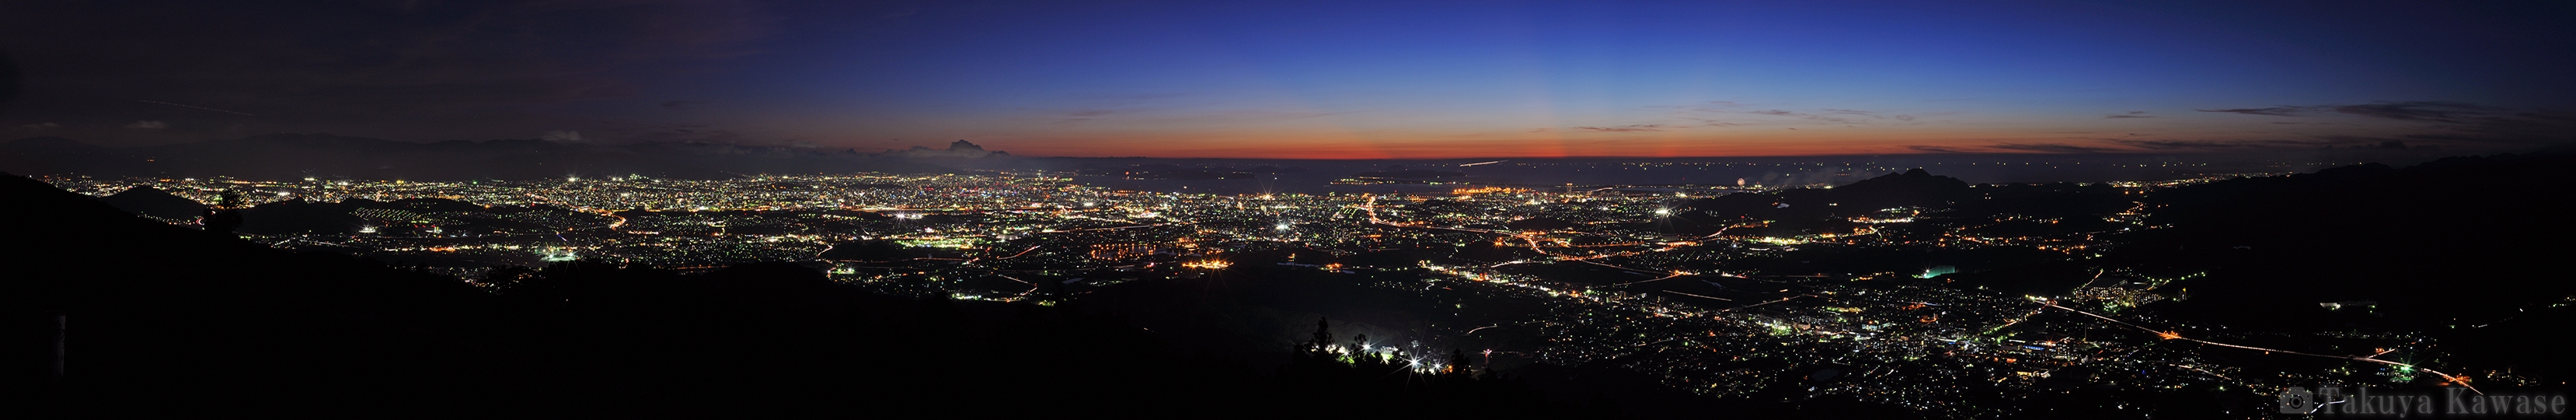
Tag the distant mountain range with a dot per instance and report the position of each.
(294, 156)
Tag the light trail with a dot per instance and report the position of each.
(1589, 261)
(1696, 296)
(1720, 231)
(1785, 299)
(2097, 276)
(2206, 371)
(2170, 335)
(1473, 331)
(1116, 228)
(1483, 163)
(1022, 252)
(1675, 274)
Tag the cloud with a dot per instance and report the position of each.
(148, 125)
(1625, 128)
(2050, 148)
(677, 134)
(2430, 121)
(1730, 114)
(2442, 111)
(1935, 149)
(2278, 111)
(2466, 122)
(564, 136)
(2186, 144)
(2131, 114)
(2247, 144)
(1841, 116)
(1078, 115)
(41, 126)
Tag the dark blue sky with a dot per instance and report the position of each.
(1314, 79)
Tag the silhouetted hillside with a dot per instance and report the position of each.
(1796, 211)
(2443, 246)
(1914, 187)
(155, 202)
(196, 319)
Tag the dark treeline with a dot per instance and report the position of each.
(158, 319)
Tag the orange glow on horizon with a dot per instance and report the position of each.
(1348, 148)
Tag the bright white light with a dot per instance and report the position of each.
(1663, 212)
(1282, 226)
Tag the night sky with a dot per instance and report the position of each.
(1312, 79)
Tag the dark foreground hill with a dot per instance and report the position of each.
(154, 202)
(2469, 249)
(112, 315)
